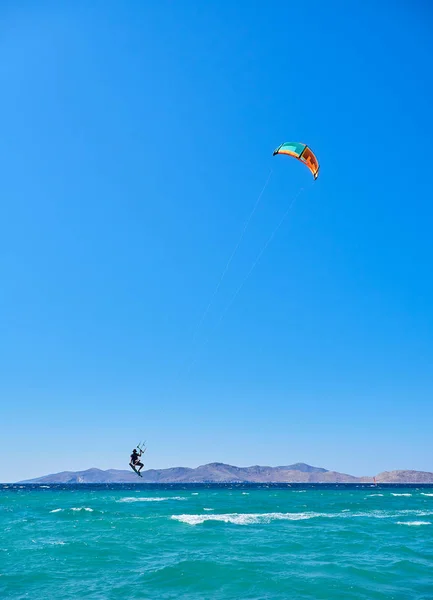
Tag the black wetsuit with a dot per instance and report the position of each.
(135, 460)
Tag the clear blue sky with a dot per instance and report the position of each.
(135, 139)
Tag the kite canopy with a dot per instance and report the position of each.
(302, 152)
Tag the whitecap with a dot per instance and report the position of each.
(418, 513)
(261, 518)
(374, 495)
(56, 510)
(243, 518)
(424, 494)
(85, 508)
(413, 523)
(56, 543)
(152, 499)
(392, 494)
(245, 493)
(194, 494)
(208, 509)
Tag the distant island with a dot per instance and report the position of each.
(222, 473)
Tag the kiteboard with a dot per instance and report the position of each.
(134, 469)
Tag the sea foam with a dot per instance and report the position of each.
(413, 523)
(243, 518)
(263, 518)
(152, 499)
(75, 509)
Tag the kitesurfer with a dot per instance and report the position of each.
(135, 460)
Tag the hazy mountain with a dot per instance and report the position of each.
(221, 473)
(405, 477)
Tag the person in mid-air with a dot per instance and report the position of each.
(135, 460)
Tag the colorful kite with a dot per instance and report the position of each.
(302, 152)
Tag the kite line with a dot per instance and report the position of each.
(232, 255)
(253, 266)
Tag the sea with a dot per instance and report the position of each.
(216, 542)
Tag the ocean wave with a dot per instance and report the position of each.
(208, 509)
(413, 523)
(152, 499)
(425, 494)
(242, 518)
(416, 512)
(374, 495)
(392, 494)
(264, 518)
(74, 509)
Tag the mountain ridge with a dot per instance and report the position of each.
(218, 472)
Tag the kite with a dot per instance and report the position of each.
(301, 152)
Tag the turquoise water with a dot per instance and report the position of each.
(216, 543)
